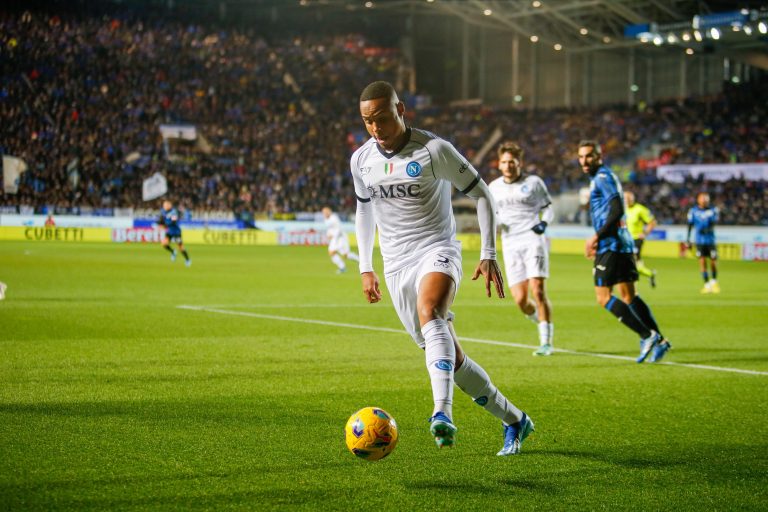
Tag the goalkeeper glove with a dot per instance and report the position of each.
(539, 228)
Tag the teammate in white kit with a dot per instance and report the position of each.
(403, 181)
(338, 243)
(524, 209)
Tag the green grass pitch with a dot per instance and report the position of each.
(114, 398)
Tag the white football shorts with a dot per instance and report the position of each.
(339, 244)
(525, 257)
(403, 285)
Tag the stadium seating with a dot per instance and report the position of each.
(83, 98)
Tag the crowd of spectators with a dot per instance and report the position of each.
(82, 100)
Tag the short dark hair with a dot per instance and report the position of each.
(511, 147)
(379, 89)
(592, 144)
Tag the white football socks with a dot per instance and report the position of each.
(338, 261)
(353, 256)
(474, 381)
(546, 333)
(440, 355)
(543, 333)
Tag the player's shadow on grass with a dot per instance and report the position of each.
(492, 487)
(192, 499)
(185, 414)
(637, 462)
(736, 356)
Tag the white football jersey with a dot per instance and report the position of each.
(411, 194)
(333, 227)
(518, 204)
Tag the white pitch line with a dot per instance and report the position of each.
(463, 338)
(484, 305)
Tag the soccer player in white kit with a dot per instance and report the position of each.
(523, 206)
(403, 181)
(338, 243)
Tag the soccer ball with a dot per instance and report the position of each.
(371, 433)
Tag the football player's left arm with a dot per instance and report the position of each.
(452, 166)
(488, 265)
(546, 214)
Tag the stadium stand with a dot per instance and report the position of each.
(83, 99)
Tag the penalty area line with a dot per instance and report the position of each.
(461, 338)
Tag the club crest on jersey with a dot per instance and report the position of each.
(413, 169)
(389, 168)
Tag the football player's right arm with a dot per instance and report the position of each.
(690, 227)
(608, 188)
(365, 228)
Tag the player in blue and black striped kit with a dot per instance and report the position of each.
(702, 219)
(169, 217)
(613, 251)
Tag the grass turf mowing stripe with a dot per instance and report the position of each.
(462, 338)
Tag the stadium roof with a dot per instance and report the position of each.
(578, 25)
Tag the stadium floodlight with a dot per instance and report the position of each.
(748, 30)
(658, 40)
(689, 51)
(671, 38)
(714, 33)
(762, 27)
(369, 4)
(606, 39)
(583, 31)
(686, 36)
(634, 88)
(558, 47)
(518, 98)
(534, 39)
(536, 3)
(487, 12)
(697, 35)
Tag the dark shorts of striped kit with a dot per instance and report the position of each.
(614, 267)
(706, 251)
